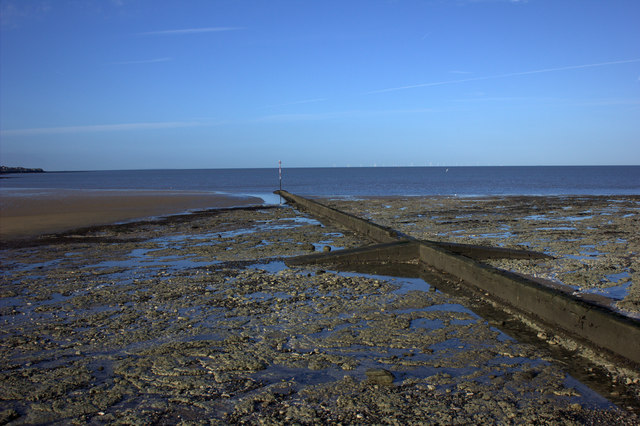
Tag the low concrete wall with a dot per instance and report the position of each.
(384, 234)
(399, 252)
(602, 327)
(483, 252)
(375, 232)
(596, 324)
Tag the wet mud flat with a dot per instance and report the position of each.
(196, 318)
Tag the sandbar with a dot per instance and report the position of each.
(32, 212)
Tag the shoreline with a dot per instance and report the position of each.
(28, 213)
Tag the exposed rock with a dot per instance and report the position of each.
(380, 376)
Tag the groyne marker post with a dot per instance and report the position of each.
(280, 177)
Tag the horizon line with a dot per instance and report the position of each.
(330, 167)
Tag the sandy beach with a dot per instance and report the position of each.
(196, 318)
(28, 213)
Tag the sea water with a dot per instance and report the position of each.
(352, 182)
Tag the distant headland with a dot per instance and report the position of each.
(5, 169)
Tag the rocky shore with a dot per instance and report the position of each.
(196, 319)
(594, 240)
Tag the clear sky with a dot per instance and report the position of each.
(138, 84)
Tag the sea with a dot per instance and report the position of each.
(350, 182)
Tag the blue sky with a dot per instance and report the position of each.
(138, 84)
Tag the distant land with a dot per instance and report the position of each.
(5, 169)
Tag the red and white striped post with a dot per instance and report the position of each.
(280, 177)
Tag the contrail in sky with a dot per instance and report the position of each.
(143, 61)
(514, 74)
(191, 31)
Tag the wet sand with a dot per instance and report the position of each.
(28, 213)
(196, 319)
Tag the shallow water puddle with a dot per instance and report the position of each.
(272, 267)
(296, 378)
(261, 296)
(495, 235)
(618, 292)
(151, 259)
(557, 228)
(406, 284)
(168, 262)
(593, 399)
(24, 266)
(575, 218)
(430, 324)
(536, 217)
(302, 220)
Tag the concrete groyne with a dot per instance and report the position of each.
(554, 309)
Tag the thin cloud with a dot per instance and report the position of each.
(284, 118)
(494, 1)
(14, 13)
(610, 102)
(508, 99)
(304, 101)
(514, 74)
(190, 31)
(143, 61)
(98, 128)
(562, 101)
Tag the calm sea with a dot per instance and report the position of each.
(354, 182)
